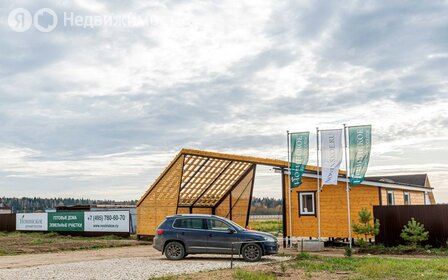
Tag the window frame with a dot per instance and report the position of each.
(300, 195)
(204, 223)
(427, 198)
(209, 225)
(408, 194)
(393, 198)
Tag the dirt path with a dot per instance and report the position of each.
(136, 262)
(30, 260)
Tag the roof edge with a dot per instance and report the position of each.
(160, 177)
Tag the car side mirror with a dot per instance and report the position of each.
(231, 230)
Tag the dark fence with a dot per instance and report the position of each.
(393, 218)
(7, 222)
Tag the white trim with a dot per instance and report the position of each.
(393, 197)
(408, 194)
(427, 199)
(378, 184)
(301, 194)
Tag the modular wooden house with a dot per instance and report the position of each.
(380, 190)
(221, 184)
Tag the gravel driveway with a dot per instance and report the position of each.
(125, 267)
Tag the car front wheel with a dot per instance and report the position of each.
(251, 252)
(174, 251)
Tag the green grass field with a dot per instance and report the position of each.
(274, 227)
(306, 266)
(375, 267)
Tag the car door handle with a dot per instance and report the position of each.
(210, 235)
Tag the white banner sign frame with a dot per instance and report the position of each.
(31, 222)
(107, 221)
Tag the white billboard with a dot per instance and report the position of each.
(32, 221)
(106, 221)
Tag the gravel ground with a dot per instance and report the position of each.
(127, 268)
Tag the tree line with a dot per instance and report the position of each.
(37, 204)
(266, 206)
(259, 206)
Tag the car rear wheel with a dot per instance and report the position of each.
(251, 252)
(174, 251)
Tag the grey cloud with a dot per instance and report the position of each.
(392, 40)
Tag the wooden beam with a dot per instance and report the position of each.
(250, 197)
(180, 183)
(211, 184)
(194, 174)
(250, 159)
(235, 185)
(160, 178)
(284, 206)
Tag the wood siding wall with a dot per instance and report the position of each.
(417, 198)
(223, 209)
(334, 221)
(161, 201)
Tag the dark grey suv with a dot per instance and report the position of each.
(181, 235)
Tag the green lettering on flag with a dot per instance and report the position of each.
(360, 140)
(299, 156)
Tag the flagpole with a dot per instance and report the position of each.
(289, 191)
(347, 187)
(318, 184)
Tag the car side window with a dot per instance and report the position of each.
(218, 225)
(189, 223)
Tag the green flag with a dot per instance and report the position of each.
(360, 139)
(300, 143)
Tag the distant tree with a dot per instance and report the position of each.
(366, 226)
(26, 204)
(266, 206)
(414, 233)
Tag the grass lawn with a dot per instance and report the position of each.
(375, 267)
(15, 243)
(274, 227)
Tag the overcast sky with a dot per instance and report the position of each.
(99, 111)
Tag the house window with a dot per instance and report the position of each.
(307, 203)
(390, 198)
(427, 200)
(407, 198)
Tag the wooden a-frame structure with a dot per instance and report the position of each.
(200, 182)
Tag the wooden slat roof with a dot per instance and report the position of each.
(208, 176)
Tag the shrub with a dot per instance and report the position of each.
(348, 252)
(303, 256)
(365, 226)
(414, 233)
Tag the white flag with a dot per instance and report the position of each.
(331, 155)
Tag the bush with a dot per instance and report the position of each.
(365, 226)
(414, 233)
(348, 252)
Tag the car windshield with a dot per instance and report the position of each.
(236, 225)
